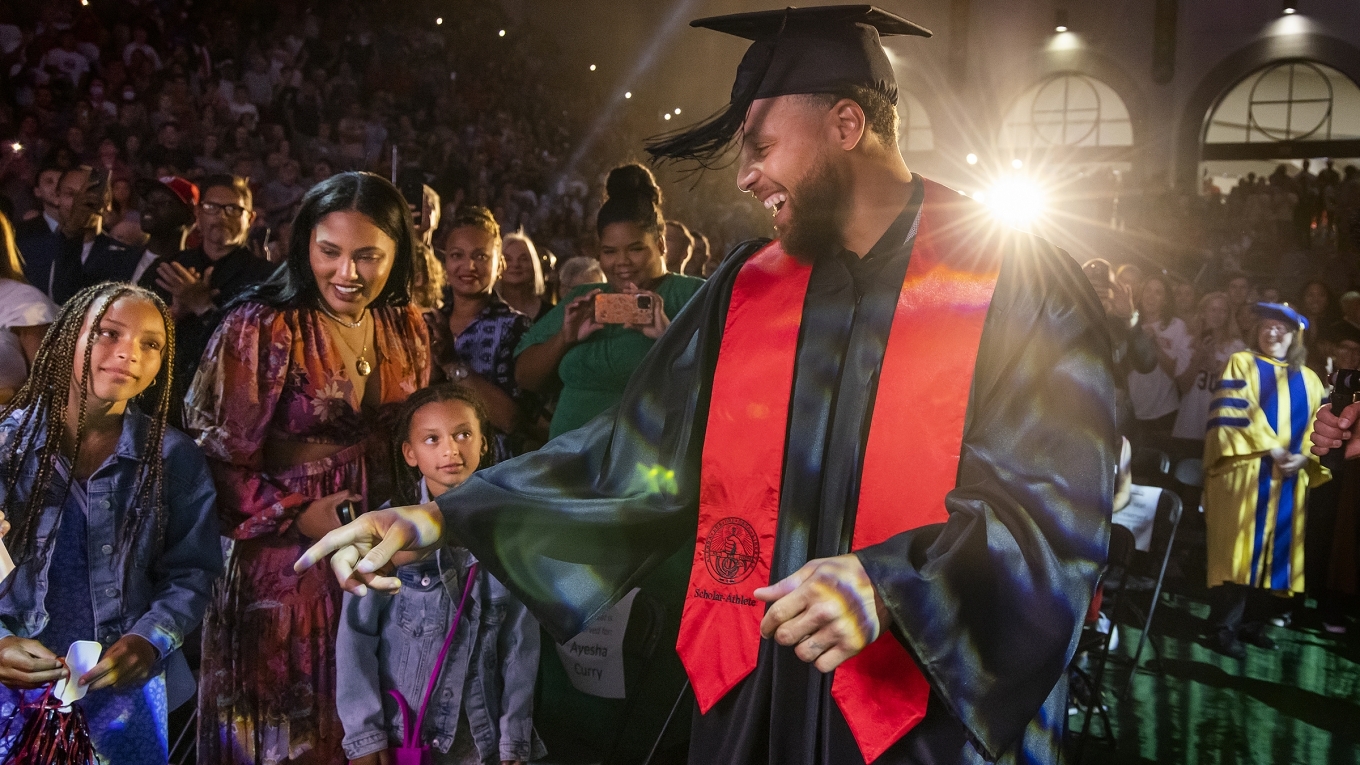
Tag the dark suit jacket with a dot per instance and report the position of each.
(109, 261)
(32, 227)
(40, 247)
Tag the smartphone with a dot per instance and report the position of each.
(347, 511)
(99, 187)
(624, 308)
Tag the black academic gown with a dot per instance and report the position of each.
(989, 603)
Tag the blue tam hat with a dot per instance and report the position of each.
(1280, 311)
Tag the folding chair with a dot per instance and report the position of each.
(1169, 511)
(1190, 472)
(1150, 466)
(1098, 644)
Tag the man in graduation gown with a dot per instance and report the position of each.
(894, 426)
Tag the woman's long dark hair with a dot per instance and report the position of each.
(293, 285)
(1168, 305)
(42, 413)
(404, 491)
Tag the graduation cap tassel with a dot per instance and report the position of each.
(705, 142)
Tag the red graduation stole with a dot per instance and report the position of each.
(910, 464)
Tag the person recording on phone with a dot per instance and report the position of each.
(88, 256)
(1134, 351)
(594, 339)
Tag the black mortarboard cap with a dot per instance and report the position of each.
(793, 51)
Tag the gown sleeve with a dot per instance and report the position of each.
(990, 602)
(574, 526)
(1237, 426)
(229, 408)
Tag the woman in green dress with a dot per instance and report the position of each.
(593, 361)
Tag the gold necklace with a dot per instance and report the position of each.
(361, 364)
(338, 320)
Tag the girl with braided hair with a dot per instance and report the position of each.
(94, 481)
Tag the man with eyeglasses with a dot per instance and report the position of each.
(198, 282)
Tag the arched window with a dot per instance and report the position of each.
(1287, 102)
(913, 132)
(1068, 110)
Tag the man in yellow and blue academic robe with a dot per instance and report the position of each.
(1258, 474)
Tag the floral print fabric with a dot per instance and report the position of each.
(267, 688)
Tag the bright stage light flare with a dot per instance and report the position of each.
(1016, 201)
(971, 158)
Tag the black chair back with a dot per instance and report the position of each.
(1190, 471)
(1150, 467)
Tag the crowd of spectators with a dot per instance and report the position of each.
(286, 94)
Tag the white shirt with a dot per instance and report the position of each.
(1193, 416)
(69, 62)
(1154, 393)
(148, 258)
(21, 305)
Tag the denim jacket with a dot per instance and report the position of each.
(391, 641)
(163, 596)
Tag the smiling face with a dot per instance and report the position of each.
(351, 260)
(1273, 338)
(786, 162)
(472, 259)
(630, 255)
(445, 443)
(162, 211)
(1153, 301)
(127, 351)
(519, 264)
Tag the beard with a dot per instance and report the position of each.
(819, 207)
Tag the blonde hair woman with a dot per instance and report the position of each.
(521, 282)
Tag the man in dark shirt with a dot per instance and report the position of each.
(197, 283)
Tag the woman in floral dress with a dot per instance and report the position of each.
(290, 406)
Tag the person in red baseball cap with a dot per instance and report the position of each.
(167, 216)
